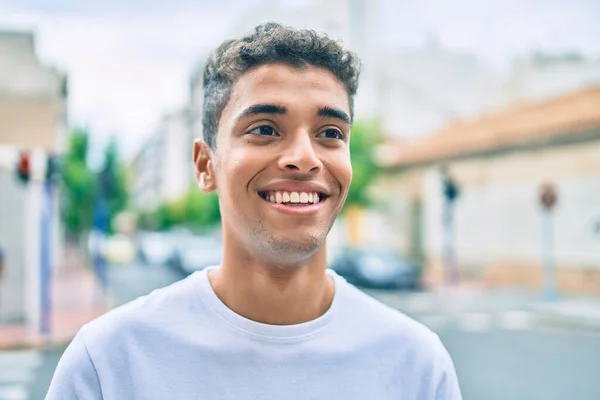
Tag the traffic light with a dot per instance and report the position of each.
(53, 168)
(24, 167)
(451, 191)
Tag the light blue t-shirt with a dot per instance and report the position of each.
(181, 342)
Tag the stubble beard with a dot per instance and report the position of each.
(289, 252)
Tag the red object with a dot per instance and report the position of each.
(24, 167)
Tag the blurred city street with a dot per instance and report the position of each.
(474, 205)
(502, 348)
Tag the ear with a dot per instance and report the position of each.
(204, 165)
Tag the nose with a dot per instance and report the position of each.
(299, 155)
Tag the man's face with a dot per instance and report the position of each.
(282, 162)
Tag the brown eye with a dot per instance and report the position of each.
(332, 134)
(263, 130)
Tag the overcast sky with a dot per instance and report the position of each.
(128, 61)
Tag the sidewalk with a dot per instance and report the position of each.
(566, 311)
(74, 302)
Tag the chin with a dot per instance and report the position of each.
(293, 249)
(288, 245)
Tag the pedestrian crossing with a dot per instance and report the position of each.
(512, 320)
(17, 373)
(467, 312)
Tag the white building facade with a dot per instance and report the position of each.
(162, 171)
(500, 163)
(33, 113)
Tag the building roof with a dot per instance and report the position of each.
(567, 117)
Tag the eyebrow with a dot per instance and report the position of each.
(262, 109)
(331, 112)
(328, 112)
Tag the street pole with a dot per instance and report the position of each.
(32, 239)
(100, 232)
(449, 256)
(548, 255)
(548, 199)
(45, 259)
(450, 193)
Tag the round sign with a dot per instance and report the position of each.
(548, 196)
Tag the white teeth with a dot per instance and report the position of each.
(293, 197)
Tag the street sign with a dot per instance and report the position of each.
(548, 196)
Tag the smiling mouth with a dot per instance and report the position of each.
(293, 199)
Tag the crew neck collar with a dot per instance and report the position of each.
(262, 330)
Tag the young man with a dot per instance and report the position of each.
(271, 322)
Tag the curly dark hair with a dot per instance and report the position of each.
(269, 43)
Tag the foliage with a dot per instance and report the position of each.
(201, 209)
(82, 189)
(77, 186)
(112, 180)
(195, 210)
(365, 136)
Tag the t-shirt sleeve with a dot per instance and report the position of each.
(448, 387)
(75, 377)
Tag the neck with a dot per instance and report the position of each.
(264, 292)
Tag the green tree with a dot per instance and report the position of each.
(365, 136)
(112, 180)
(201, 209)
(77, 186)
(196, 210)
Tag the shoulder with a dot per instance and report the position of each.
(75, 375)
(409, 345)
(383, 324)
(158, 311)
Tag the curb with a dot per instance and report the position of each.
(578, 322)
(37, 344)
(562, 318)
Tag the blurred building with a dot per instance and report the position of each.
(425, 89)
(499, 161)
(539, 76)
(162, 171)
(33, 102)
(354, 22)
(196, 99)
(33, 96)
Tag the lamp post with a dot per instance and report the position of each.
(49, 182)
(99, 234)
(548, 199)
(451, 193)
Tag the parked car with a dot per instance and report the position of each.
(118, 249)
(198, 252)
(376, 268)
(155, 249)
